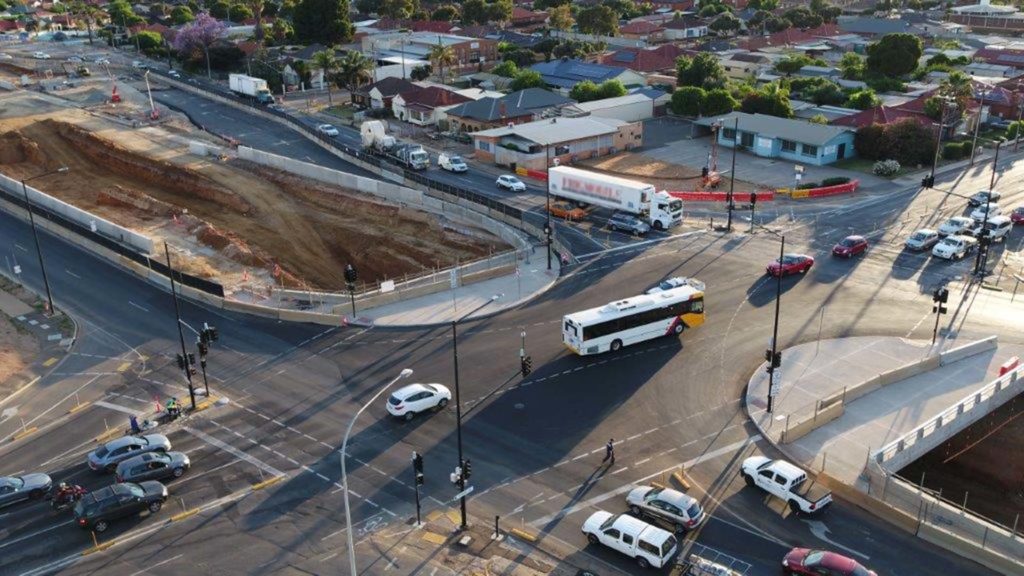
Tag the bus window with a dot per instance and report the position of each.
(697, 306)
(569, 327)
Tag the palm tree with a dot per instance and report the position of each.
(958, 88)
(442, 57)
(257, 12)
(328, 64)
(354, 69)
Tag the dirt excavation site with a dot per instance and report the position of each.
(233, 222)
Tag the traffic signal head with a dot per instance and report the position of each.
(350, 274)
(181, 362)
(526, 366)
(191, 359)
(203, 348)
(212, 333)
(417, 462)
(777, 360)
(753, 198)
(467, 469)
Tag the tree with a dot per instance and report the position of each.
(770, 99)
(86, 13)
(521, 56)
(121, 14)
(802, 17)
(220, 10)
(240, 12)
(792, 64)
(757, 20)
(397, 9)
(628, 9)
(862, 99)
(474, 12)
(702, 70)
(421, 73)
(256, 8)
(719, 101)
(181, 15)
(828, 94)
(777, 24)
(367, 6)
(446, 13)
(527, 79)
(584, 91)
(867, 141)
(194, 40)
(281, 30)
(322, 21)
(442, 57)
(260, 67)
(766, 5)
(150, 42)
(852, 66)
(326, 62)
(355, 69)
(826, 11)
(818, 119)
(689, 101)
(958, 89)
(611, 89)
(508, 69)
(908, 142)
(547, 4)
(894, 55)
(560, 18)
(598, 20)
(725, 24)
(939, 59)
(225, 56)
(499, 11)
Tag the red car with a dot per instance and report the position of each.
(791, 264)
(850, 246)
(1017, 216)
(818, 562)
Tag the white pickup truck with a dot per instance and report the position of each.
(787, 482)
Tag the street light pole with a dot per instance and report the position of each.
(458, 401)
(732, 174)
(344, 477)
(1020, 112)
(775, 329)
(547, 195)
(181, 334)
(977, 126)
(35, 234)
(938, 141)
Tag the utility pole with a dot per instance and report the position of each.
(929, 180)
(995, 164)
(775, 360)
(35, 234)
(458, 420)
(181, 334)
(977, 126)
(1020, 112)
(732, 174)
(350, 280)
(417, 480)
(547, 195)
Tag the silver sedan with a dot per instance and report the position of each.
(14, 489)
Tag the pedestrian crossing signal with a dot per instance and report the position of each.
(527, 366)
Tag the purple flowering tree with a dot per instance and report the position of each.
(193, 41)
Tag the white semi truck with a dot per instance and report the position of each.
(638, 198)
(376, 139)
(255, 88)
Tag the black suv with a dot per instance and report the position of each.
(96, 509)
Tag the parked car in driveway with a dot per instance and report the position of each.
(923, 239)
(327, 130)
(107, 457)
(97, 509)
(850, 246)
(408, 401)
(991, 208)
(956, 225)
(14, 489)
(954, 247)
(984, 196)
(153, 466)
(808, 562)
(510, 183)
(790, 264)
(628, 223)
(680, 510)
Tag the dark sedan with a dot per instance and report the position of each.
(153, 466)
(817, 562)
(850, 246)
(791, 264)
(14, 489)
(97, 509)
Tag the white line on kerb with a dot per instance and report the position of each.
(137, 306)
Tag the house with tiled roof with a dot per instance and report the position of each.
(528, 19)
(435, 26)
(379, 94)
(484, 114)
(685, 27)
(1003, 57)
(643, 30)
(423, 106)
(563, 74)
(789, 37)
(646, 60)
(912, 109)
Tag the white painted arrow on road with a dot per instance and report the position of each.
(8, 413)
(821, 532)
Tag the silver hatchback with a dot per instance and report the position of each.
(153, 466)
(672, 506)
(107, 457)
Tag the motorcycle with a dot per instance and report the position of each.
(66, 497)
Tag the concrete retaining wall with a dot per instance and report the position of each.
(967, 350)
(1001, 564)
(804, 427)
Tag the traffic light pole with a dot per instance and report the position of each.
(181, 334)
(935, 331)
(458, 415)
(732, 174)
(775, 330)
(753, 202)
(416, 483)
(206, 383)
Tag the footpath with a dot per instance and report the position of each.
(855, 411)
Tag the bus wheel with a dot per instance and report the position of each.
(616, 345)
(678, 329)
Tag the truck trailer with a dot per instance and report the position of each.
(658, 208)
(255, 88)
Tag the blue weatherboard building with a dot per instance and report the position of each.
(773, 137)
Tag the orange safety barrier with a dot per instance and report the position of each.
(694, 196)
(826, 191)
(535, 174)
(1009, 365)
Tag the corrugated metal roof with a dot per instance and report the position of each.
(775, 127)
(557, 130)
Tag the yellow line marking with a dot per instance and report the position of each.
(524, 535)
(124, 366)
(24, 433)
(434, 538)
(78, 407)
(434, 515)
(185, 514)
(265, 483)
(453, 515)
(50, 362)
(99, 548)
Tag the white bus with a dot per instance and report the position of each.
(635, 319)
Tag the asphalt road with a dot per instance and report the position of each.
(294, 388)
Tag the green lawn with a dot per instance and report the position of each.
(862, 165)
(345, 113)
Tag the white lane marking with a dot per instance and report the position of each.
(61, 401)
(123, 409)
(20, 247)
(34, 534)
(622, 490)
(72, 274)
(234, 451)
(157, 564)
(641, 462)
(137, 306)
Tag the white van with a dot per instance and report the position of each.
(452, 163)
(999, 228)
(648, 545)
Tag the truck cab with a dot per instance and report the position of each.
(786, 482)
(666, 211)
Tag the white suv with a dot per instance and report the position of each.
(409, 401)
(510, 183)
(954, 247)
(683, 512)
(991, 208)
(956, 225)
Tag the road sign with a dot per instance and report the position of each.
(465, 492)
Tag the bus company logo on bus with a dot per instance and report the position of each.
(591, 188)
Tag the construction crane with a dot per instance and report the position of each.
(709, 176)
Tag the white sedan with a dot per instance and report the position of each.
(327, 130)
(409, 401)
(923, 239)
(41, 56)
(676, 282)
(956, 225)
(510, 183)
(992, 209)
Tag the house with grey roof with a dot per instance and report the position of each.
(563, 74)
(535, 145)
(773, 137)
(516, 108)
